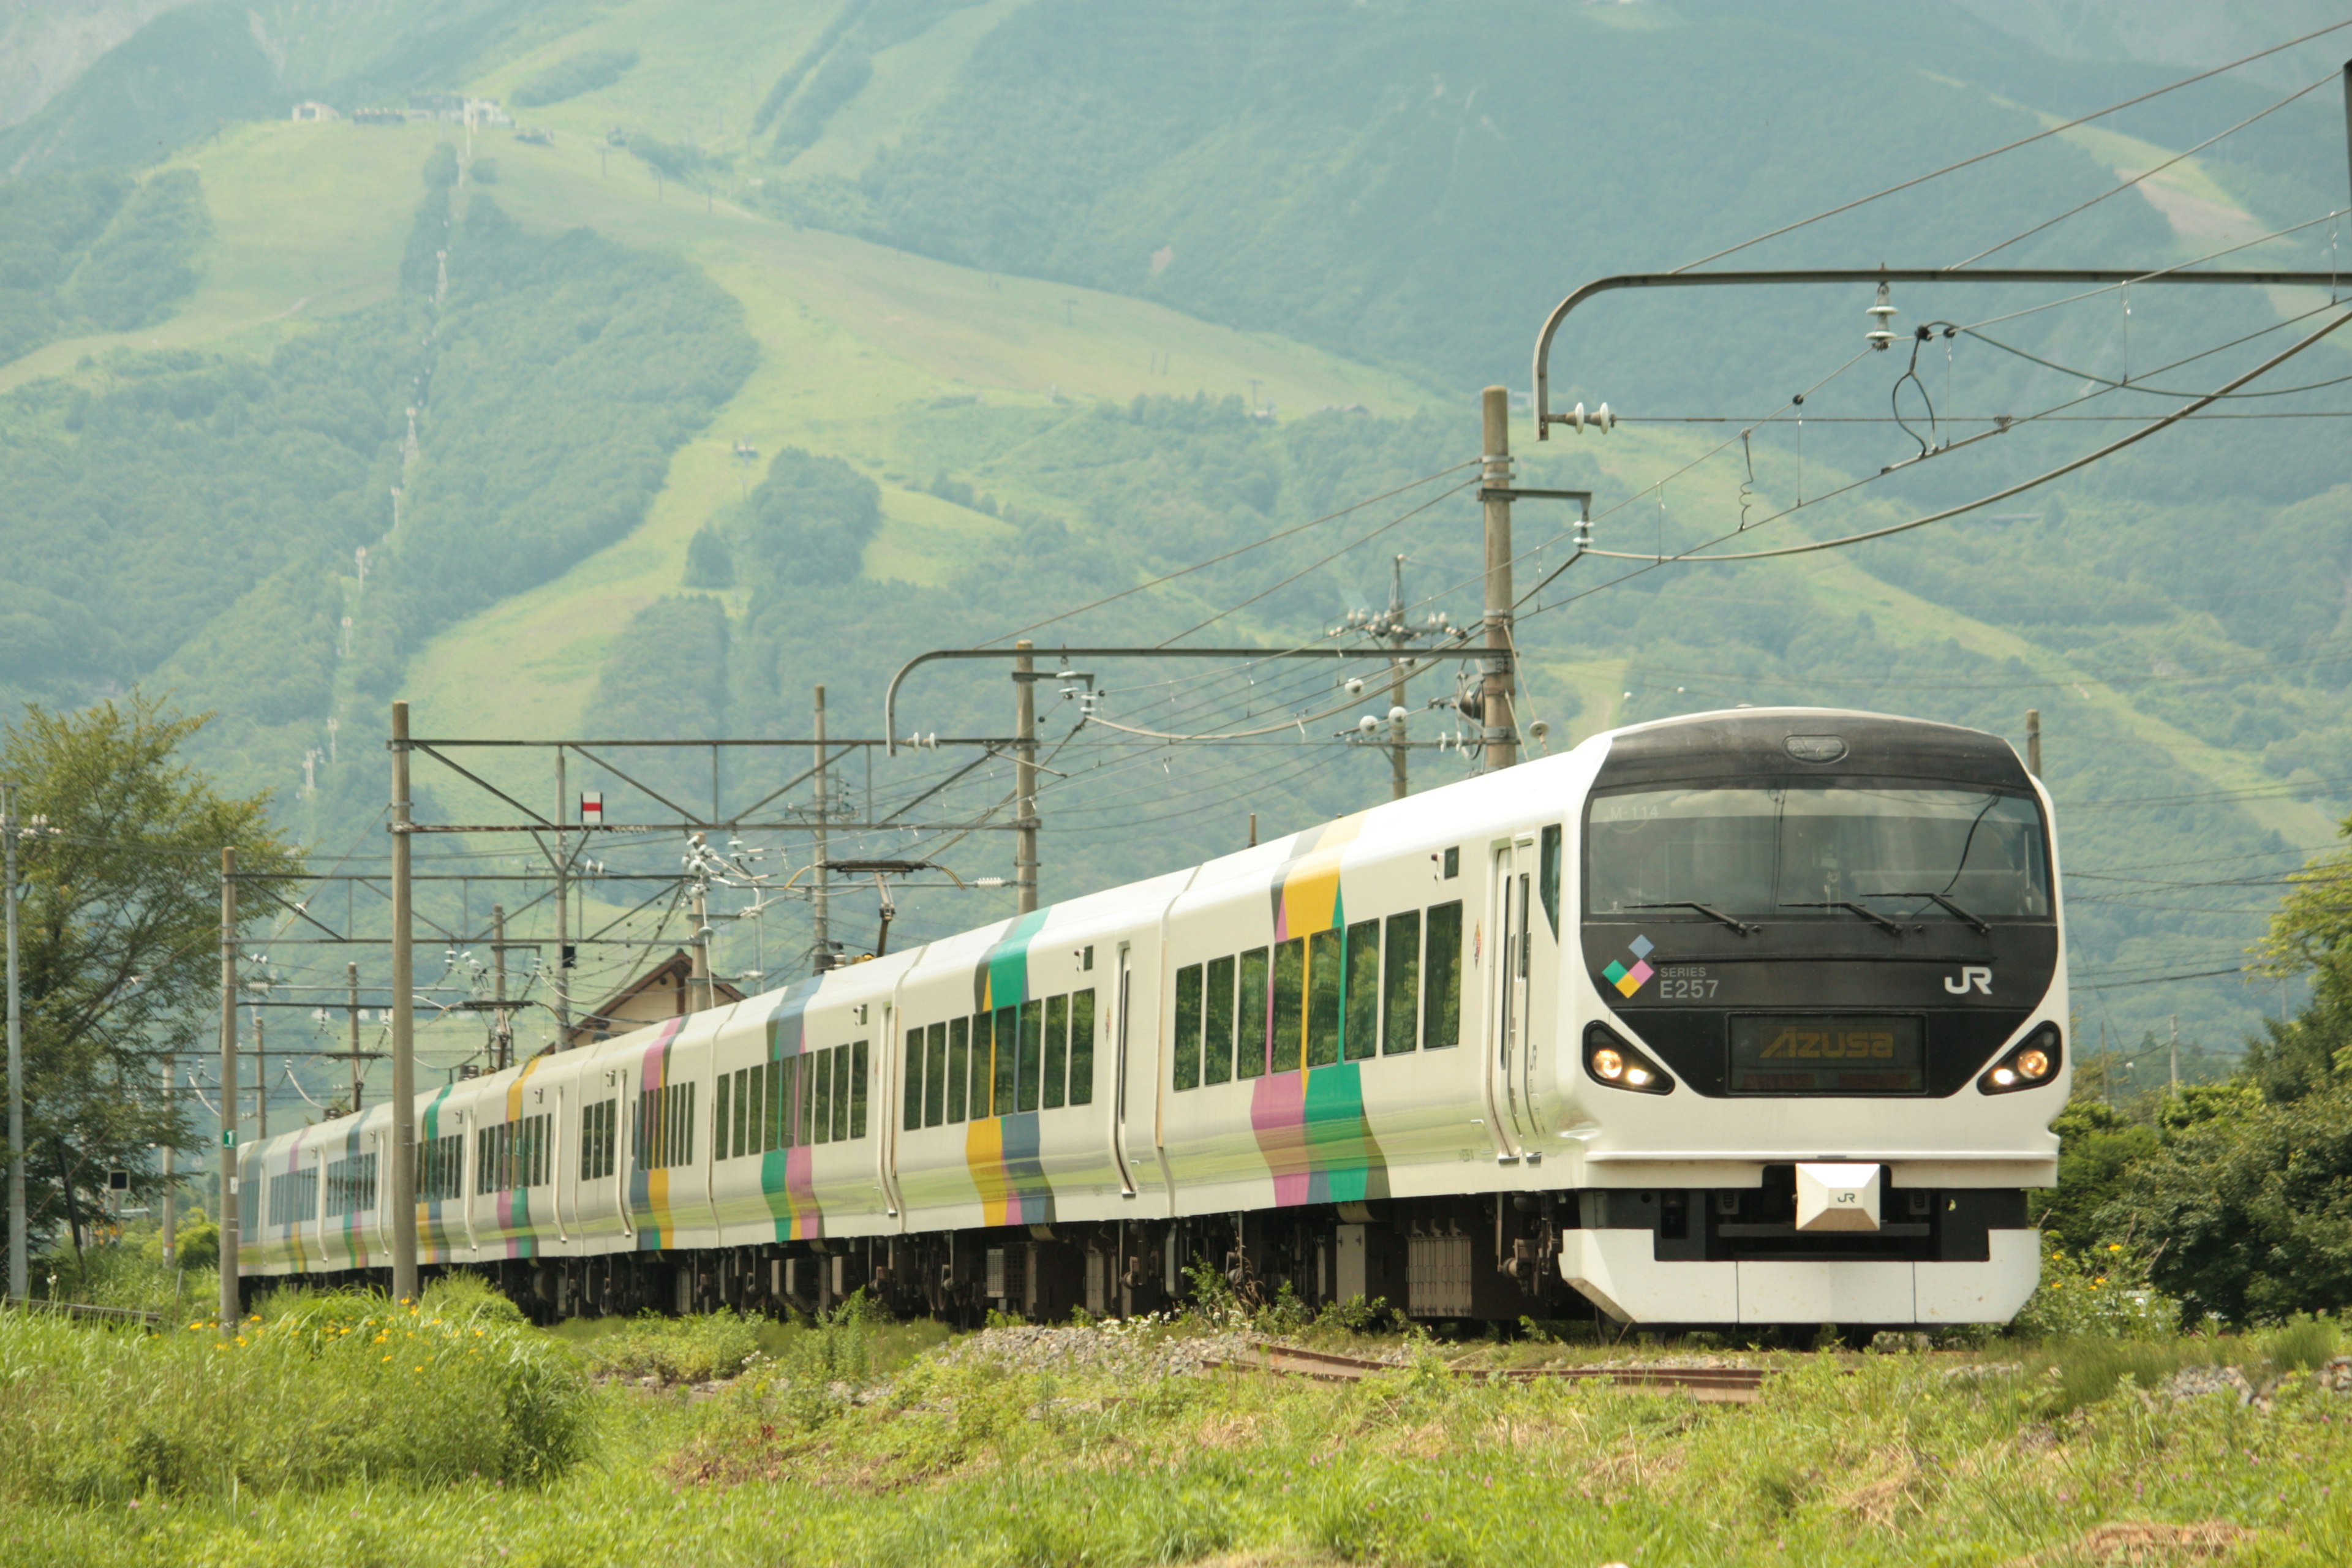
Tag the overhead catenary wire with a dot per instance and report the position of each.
(2147, 174)
(2041, 135)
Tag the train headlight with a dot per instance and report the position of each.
(1612, 1062)
(2031, 1063)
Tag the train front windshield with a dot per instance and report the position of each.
(1786, 852)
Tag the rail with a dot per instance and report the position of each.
(1708, 1385)
(85, 1311)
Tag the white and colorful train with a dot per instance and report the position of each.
(1748, 1017)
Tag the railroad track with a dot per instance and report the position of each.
(83, 1311)
(1706, 1384)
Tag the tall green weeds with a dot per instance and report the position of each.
(315, 1391)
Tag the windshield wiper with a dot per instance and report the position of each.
(1742, 927)
(1954, 910)
(1873, 916)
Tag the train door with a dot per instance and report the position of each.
(1124, 1001)
(1511, 904)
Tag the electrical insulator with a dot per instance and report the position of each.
(1397, 714)
(1601, 419)
(1882, 322)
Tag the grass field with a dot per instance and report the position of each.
(717, 1442)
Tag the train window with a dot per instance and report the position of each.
(1323, 977)
(958, 1068)
(1453, 864)
(1081, 1047)
(1058, 1052)
(935, 1074)
(804, 1097)
(1250, 1032)
(1551, 846)
(1217, 1013)
(821, 1113)
(723, 1139)
(913, 1118)
(1360, 1035)
(1440, 1013)
(1186, 1067)
(758, 1081)
(1008, 1060)
(1033, 1039)
(857, 1055)
(686, 1122)
(843, 1093)
(1400, 985)
(1289, 1002)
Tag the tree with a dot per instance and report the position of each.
(119, 935)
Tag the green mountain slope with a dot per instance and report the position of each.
(1055, 299)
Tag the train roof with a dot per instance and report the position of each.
(1748, 742)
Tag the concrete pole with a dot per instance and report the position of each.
(359, 1075)
(504, 1057)
(1500, 725)
(1024, 779)
(232, 1303)
(705, 998)
(20, 1257)
(404, 1025)
(2034, 742)
(820, 894)
(563, 909)
(1400, 747)
(260, 1083)
(171, 1206)
(2176, 1024)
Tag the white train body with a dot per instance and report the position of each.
(1366, 1058)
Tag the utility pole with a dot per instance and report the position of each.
(705, 997)
(351, 981)
(404, 1025)
(503, 1058)
(563, 908)
(1495, 698)
(1025, 778)
(20, 1260)
(820, 895)
(1400, 747)
(2034, 742)
(232, 1301)
(171, 1172)
(2175, 1017)
(260, 1083)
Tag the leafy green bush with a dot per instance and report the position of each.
(316, 1391)
(674, 1349)
(2100, 1293)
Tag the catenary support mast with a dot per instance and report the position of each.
(403, 1025)
(231, 1299)
(1496, 714)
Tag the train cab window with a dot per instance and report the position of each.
(1250, 1030)
(1008, 1060)
(958, 1068)
(1058, 1052)
(1440, 1013)
(1324, 976)
(1400, 986)
(1359, 1035)
(935, 1074)
(857, 1055)
(1082, 1046)
(1217, 1018)
(1030, 1068)
(1552, 848)
(1289, 1002)
(1187, 1044)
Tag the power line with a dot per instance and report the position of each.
(2010, 147)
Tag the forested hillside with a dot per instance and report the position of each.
(792, 342)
